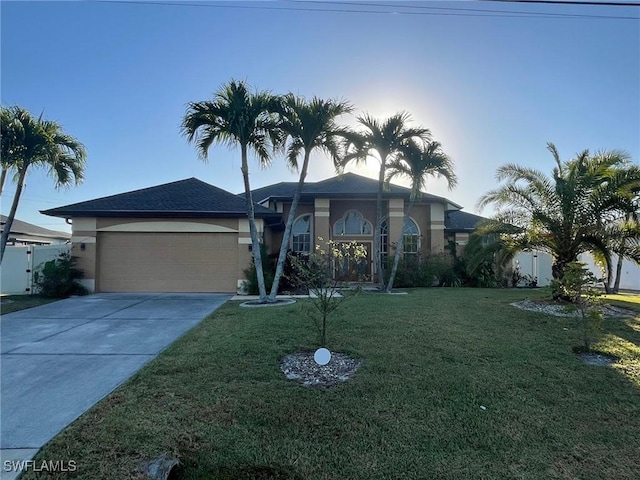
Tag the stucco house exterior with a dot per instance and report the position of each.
(190, 236)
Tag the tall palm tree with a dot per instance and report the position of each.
(563, 215)
(236, 116)
(307, 126)
(418, 162)
(385, 139)
(33, 142)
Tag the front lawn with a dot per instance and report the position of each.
(431, 361)
(13, 303)
(630, 301)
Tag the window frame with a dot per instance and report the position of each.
(293, 241)
(363, 223)
(384, 235)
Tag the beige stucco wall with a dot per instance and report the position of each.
(366, 207)
(428, 217)
(436, 227)
(169, 224)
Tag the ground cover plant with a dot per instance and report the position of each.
(455, 384)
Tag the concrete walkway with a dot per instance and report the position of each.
(59, 359)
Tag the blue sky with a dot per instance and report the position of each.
(492, 89)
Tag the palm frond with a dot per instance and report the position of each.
(235, 116)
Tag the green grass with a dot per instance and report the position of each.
(217, 400)
(629, 301)
(20, 302)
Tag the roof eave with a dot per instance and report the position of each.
(152, 214)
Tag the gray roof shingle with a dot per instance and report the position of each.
(190, 198)
(349, 184)
(25, 228)
(458, 221)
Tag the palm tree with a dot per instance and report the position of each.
(622, 238)
(418, 162)
(236, 116)
(386, 139)
(563, 215)
(30, 142)
(308, 126)
(10, 134)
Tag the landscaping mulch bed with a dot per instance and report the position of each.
(302, 367)
(563, 309)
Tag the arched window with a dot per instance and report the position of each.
(410, 242)
(301, 234)
(353, 223)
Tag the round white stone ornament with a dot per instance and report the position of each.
(322, 356)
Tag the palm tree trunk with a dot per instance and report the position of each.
(12, 212)
(376, 235)
(621, 251)
(3, 179)
(399, 247)
(607, 282)
(557, 272)
(255, 243)
(284, 246)
(616, 285)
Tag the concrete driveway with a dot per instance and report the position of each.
(59, 359)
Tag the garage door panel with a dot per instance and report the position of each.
(167, 262)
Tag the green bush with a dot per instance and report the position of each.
(423, 271)
(268, 270)
(577, 286)
(58, 278)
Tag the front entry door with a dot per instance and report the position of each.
(348, 270)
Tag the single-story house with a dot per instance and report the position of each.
(24, 233)
(190, 236)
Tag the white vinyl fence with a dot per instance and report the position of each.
(538, 264)
(629, 276)
(18, 264)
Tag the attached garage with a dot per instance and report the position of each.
(167, 262)
(185, 236)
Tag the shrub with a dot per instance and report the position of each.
(268, 270)
(58, 278)
(317, 274)
(577, 287)
(424, 271)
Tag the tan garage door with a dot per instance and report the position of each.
(167, 262)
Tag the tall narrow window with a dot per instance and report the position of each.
(410, 241)
(384, 240)
(301, 234)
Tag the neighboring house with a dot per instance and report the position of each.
(460, 225)
(23, 233)
(189, 236)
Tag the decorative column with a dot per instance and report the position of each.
(396, 217)
(436, 228)
(321, 226)
(245, 253)
(83, 247)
